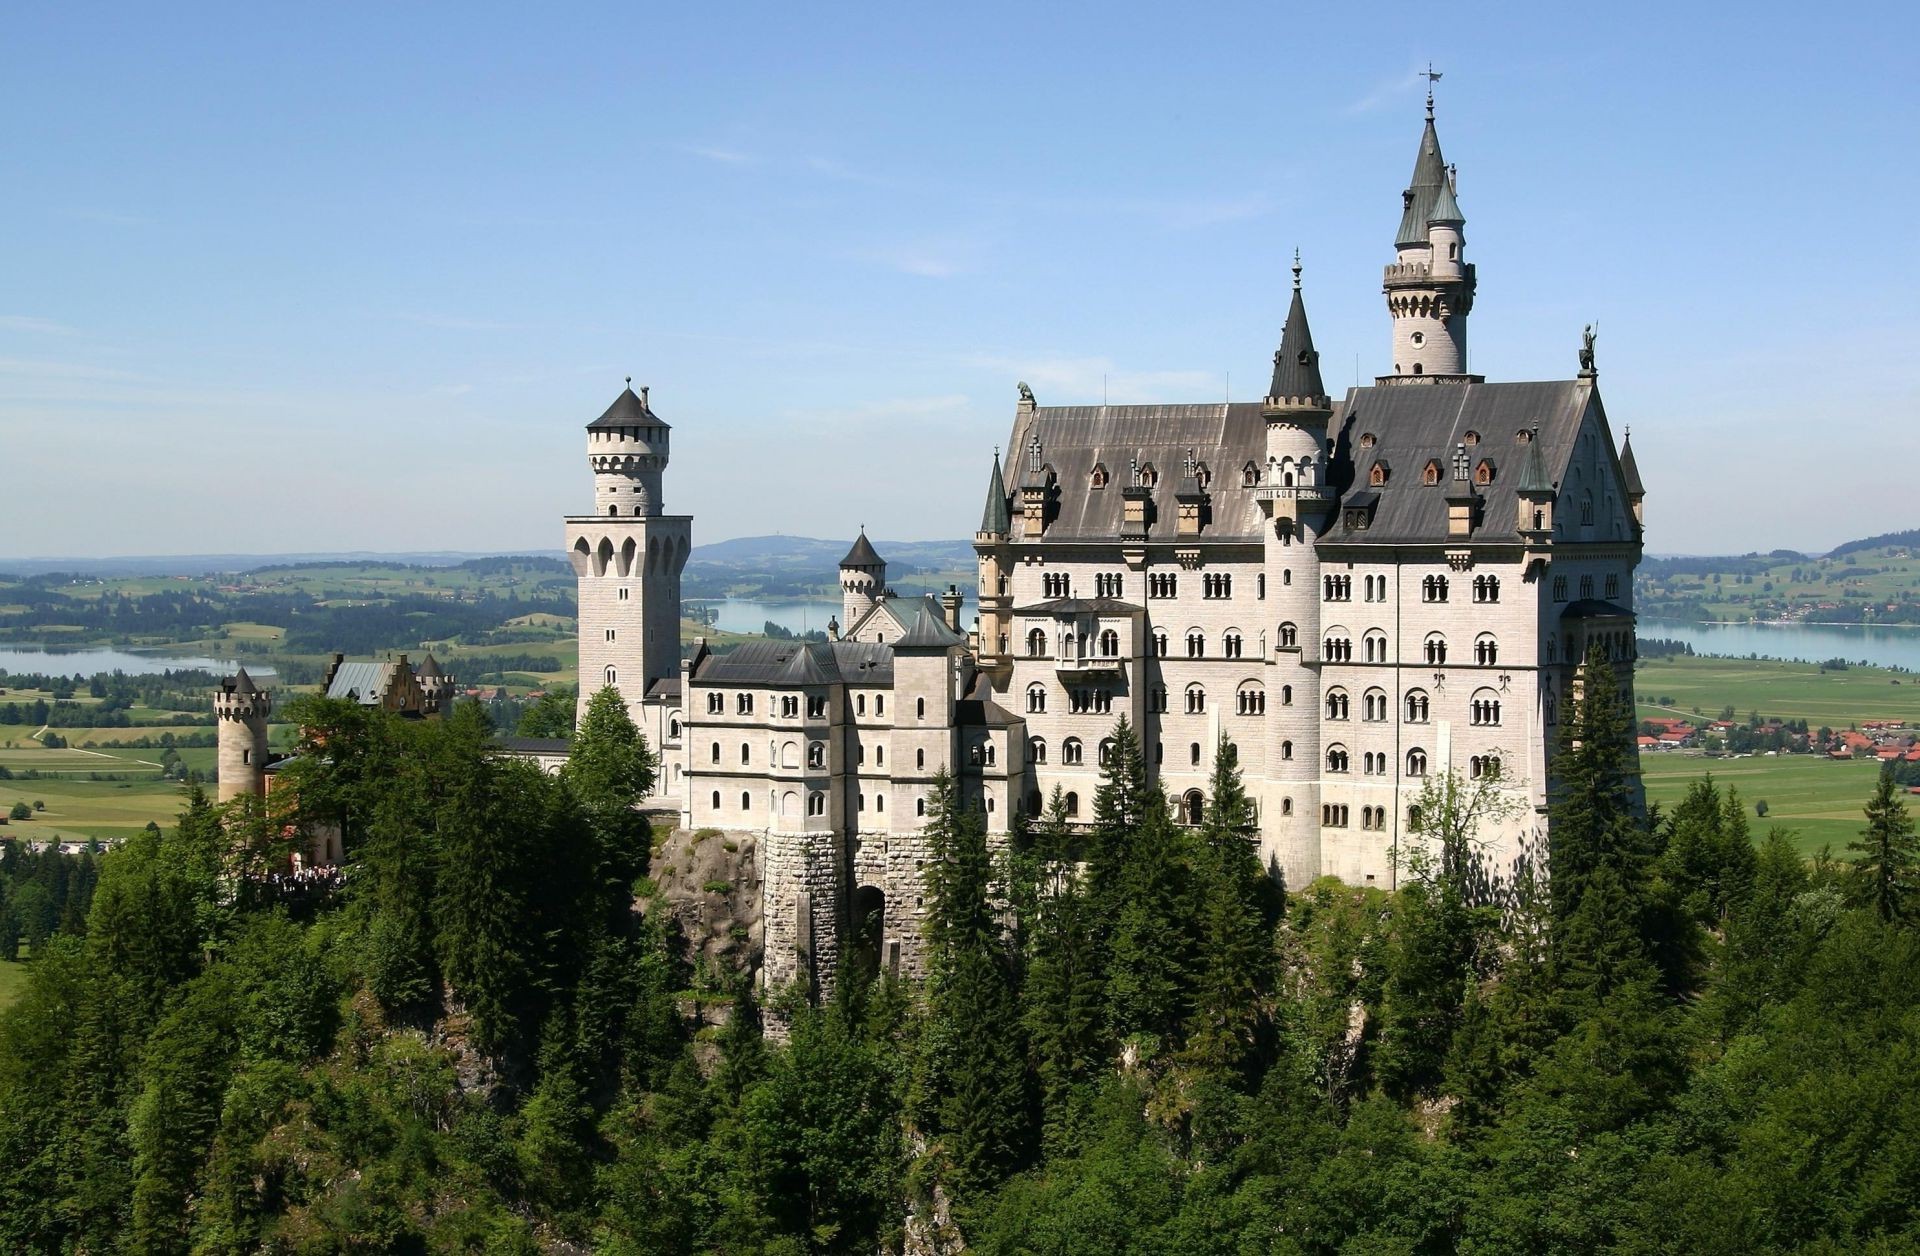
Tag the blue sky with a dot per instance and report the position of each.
(355, 277)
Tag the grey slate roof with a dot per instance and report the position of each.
(863, 554)
(1629, 469)
(997, 517)
(1533, 476)
(768, 663)
(1296, 366)
(928, 633)
(1073, 438)
(428, 667)
(1423, 194)
(358, 681)
(241, 683)
(628, 410)
(1595, 608)
(1078, 606)
(1414, 423)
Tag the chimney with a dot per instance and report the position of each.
(950, 607)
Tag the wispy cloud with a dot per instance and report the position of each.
(34, 326)
(926, 259)
(1384, 94)
(719, 155)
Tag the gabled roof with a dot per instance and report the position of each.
(1296, 365)
(928, 633)
(360, 682)
(863, 554)
(1411, 426)
(770, 662)
(629, 409)
(1423, 194)
(896, 613)
(996, 517)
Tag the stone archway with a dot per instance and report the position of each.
(867, 936)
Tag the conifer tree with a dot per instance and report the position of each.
(1149, 957)
(1120, 805)
(1062, 990)
(978, 1060)
(1238, 909)
(1888, 854)
(609, 769)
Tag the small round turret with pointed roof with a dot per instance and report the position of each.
(240, 710)
(863, 578)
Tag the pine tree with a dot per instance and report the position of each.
(1120, 804)
(1238, 909)
(1885, 867)
(1149, 958)
(1062, 990)
(610, 769)
(979, 1068)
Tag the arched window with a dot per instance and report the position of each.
(879, 802)
(1337, 760)
(1072, 801)
(1036, 643)
(1417, 706)
(1037, 749)
(1193, 808)
(1286, 750)
(746, 753)
(1434, 589)
(1286, 806)
(1416, 762)
(1286, 695)
(716, 754)
(1430, 474)
(1337, 705)
(746, 801)
(1099, 477)
(613, 676)
(1289, 636)
(1196, 700)
(1486, 588)
(1251, 700)
(1070, 752)
(1109, 643)
(1193, 753)
(1376, 646)
(1484, 767)
(1159, 643)
(1196, 644)
(716, 800)
(860, 704)
(1106, 751)
(920, 707)
(1377, 474)
(1586, 507)
(1486, 651)
(1373, 706)
(1436, 649)
(1036, 699)
(920, 758)
(816, 804)
(1485, 708)
(816, 754)
(1338, 647)
(1230, 644)
(673, 728)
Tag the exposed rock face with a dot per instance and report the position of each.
(711, 882)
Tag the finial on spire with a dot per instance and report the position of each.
(629, 381)
(1432, 77)
(1296, 268)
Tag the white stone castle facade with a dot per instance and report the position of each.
(1360, 593)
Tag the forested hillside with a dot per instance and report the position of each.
(483, 1038)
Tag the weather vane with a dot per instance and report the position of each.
(1432, 76)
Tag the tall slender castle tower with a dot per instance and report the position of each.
(240, 708)
(1430, 284)
(628, 556)
(1298, 499)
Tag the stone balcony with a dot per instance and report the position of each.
(1092, 667)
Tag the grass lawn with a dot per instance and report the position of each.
(81, 809)
(13, 979)
(1817, 798)
(1705, 686)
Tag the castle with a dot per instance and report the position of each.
(1362, 594)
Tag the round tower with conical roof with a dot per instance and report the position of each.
(863, 580)
(1429, 285)
(240, 710)
(436, 688)
(629, 555)
(1298, 498)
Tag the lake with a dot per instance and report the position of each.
(744, 615)
(95, 662)
(1811, 643)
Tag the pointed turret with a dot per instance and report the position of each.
(242, 683)
(1296, 366)
(1426, 189)
(863, 581)
(1534, 493)
(1430, 284)
(997, 518)
(1630, 472)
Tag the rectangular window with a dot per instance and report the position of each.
(1613, 586)
(1559, 588)
(623, 593)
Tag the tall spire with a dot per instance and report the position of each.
(997, 518)
(1428, 189)
(1296, 366)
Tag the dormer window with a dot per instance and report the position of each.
(1099, 478)
(1377, 474)
(1471, 438)
(1430, 474)
(1368, 440)
(1483, 474)
(1148, 476)
(1249, 475)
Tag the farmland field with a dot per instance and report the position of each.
(1702, 686)
(1817, 798)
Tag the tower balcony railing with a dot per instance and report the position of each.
(1421, 273)
(1293, 492)
(1091, 665)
